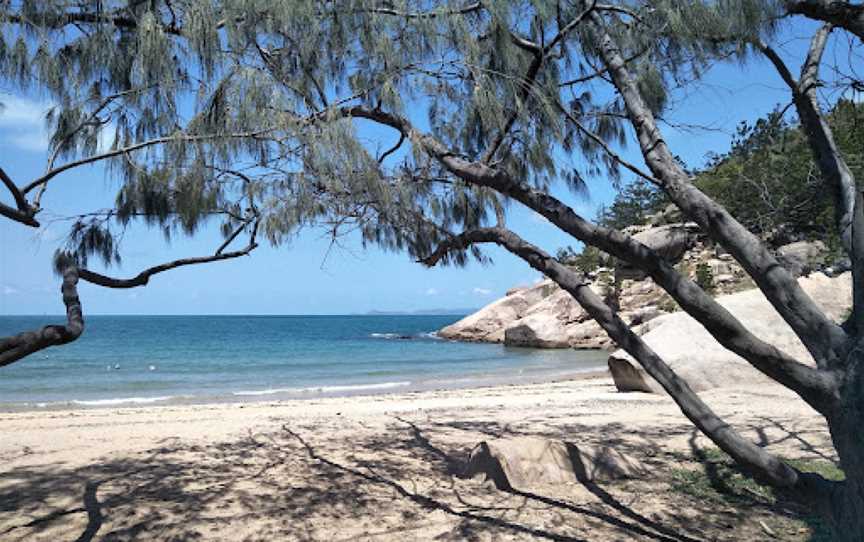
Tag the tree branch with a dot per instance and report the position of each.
(718, 321)
(384, 10)
(824, 339)
(22, 345)
(24, 212)
(82, 17)
(131, 148)
(845, 15)
(531, 77)
(142, 278)
(392, 149)
(761, 464)
(599, 72)
(779, 65)
(834, 170)
(597, 139)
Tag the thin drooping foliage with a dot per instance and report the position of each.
(253, 113)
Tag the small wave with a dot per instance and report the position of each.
(361, 387)
(267, 391)
(403, 336)
(324, 389)
(390, 336)
(120, 401)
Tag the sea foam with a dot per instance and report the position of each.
(325, 389)
(123, 400)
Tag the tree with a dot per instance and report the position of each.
(632, 205)
(660, 39)
(521, 96)
(150, 79)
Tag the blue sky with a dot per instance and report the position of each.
(302, 277)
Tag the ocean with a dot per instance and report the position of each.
(127, 360)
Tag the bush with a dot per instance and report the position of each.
(705, 277)
(587, 261)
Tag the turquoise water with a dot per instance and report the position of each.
(152, 359)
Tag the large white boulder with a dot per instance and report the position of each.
(694, 354)
(588, 335)
(538, 330)
(544, 324)
(526, 463)
(802, 256)
(488, 324)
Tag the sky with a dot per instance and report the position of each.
(307, 275)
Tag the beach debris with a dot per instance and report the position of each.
(530, 462)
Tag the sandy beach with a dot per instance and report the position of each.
(380, 467)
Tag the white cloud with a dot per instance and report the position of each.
(8, 290)
(23, 121)
(432, 291)
(481, 291)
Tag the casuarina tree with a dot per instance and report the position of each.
(490, 105)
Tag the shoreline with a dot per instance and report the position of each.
(288, 395)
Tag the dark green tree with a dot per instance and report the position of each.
(632, 205)
(770, 181)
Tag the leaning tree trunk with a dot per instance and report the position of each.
(846, 424)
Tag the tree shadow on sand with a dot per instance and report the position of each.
(400, 482)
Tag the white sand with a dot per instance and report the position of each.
(381, 467)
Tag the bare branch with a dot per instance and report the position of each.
(775, 59)
(832, 166)
(383, 10)
(824, 339)
(815, 387)
(142, 278)
(392, 149)
(19, 346)
(845, 15)
(597, 139)
(24, 213)
(16, 215)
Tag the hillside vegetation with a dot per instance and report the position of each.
(768, 180)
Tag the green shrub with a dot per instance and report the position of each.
(705, 277)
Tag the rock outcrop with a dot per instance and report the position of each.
(526, 463)
(545, 316)
(802, 257)
(670, 241)
(487, 324)
(694, 354)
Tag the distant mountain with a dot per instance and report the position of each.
(423, 312)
